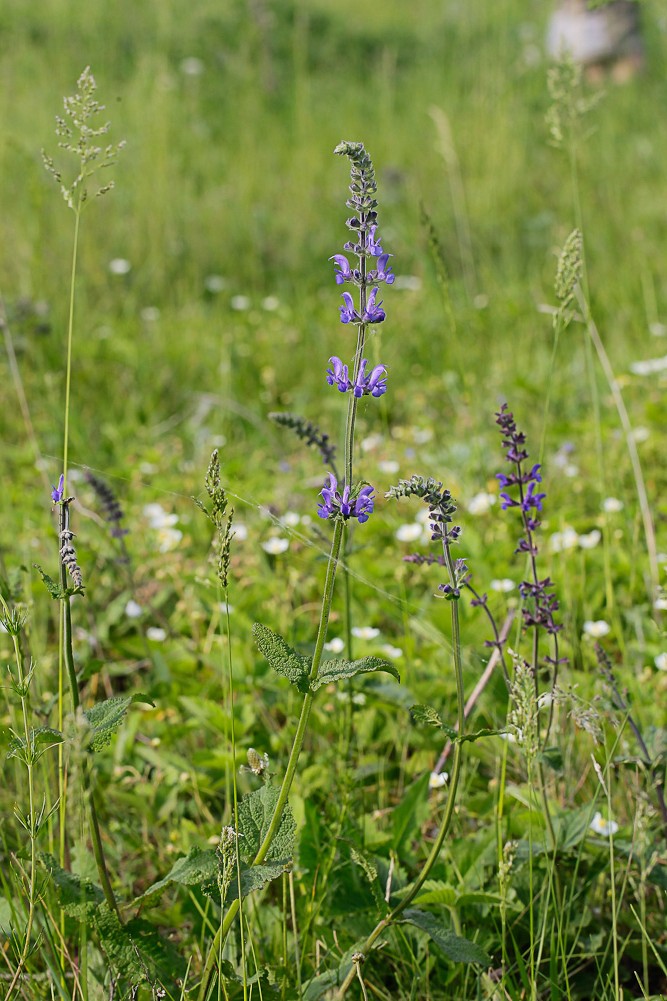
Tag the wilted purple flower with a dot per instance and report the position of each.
(338, 375)
(373, 313)
(374, 384)
(58, 492)
(351, 504)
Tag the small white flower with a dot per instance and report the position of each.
(411, 283)
(423, 516)
(660, 604)
(641, 434)
(596, 628)
(150, 314)
(133, 609)
(480, 301)
(270, 303)
(192, 66)
(421, 435)
(291, 519)
(481, 503)
(393, 652)
(508, 736)
(335, 645)
(240, 302)
(275, 546)
(612, 505)
(225, 608)
(157, 517)
(567, 539)
(119, 266)
(147, 468)
(409, 532)
(591, 540)
(437, 780)
(365, 632)
(658, 329)
(570, 470)
(389, 466)
(502, 584)
(359, 699)
(649, 366)
(544, 700)
(603, 827)
(239, 530)
(372, 442)
(168, 538)
(661, 557)
(156, 634)
(215, 284)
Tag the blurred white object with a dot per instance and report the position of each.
(604, 36)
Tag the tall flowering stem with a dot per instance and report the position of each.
(350, 501)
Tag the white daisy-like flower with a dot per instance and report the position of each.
(371, 442)
(591, 540)
(133, 609)
(157, 517)
(649, 366)
(421, 435)
(641, 434)
(596, 628)
(481, 503)
(409, 532)
(660, 604)
(291, 519)
(239, 530)
(560, 541)
(389, 466)
(156, 634)
(502, 584)
(168, 538)
(215, 284)
(270, 303)
(119, 266)
(661, 661)
(365, 632)
(275, 546)
(612, 505)
(335, 645)
(603, 827)
(150, 314)
(657, 329)
(359, 699)
(437, 780)
(393, 652)
(240, 302)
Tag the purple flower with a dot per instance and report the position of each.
(348, 313)
(338, 376)
(352, 504)
(58, 492)
(372, 245)
(343, 274)
(383, 273)
(373, 313)
(374, 384)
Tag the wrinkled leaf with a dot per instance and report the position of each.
(76, 896)
(55, 590)
(256, 877)
(199, 865)
(281, 657)
(455, 947)
(338, 670)
(105, 717)
(138, 951)
(255, 813)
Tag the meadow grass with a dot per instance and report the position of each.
(227, 205)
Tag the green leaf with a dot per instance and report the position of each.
(321, 985)
(195, 868)
(431, 717)
(338, 670)
(55, 590)
(410, 813)
(41, 739)
(455, 947)
(105, 717)
(138, 951)
(281, 657)
(76, 896)
(255, 813)
(256, 877)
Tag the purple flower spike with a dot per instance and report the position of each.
(326, 508)
(343, 273)
(58, 492)
(338, 376)
(373, 313)
(348, 313)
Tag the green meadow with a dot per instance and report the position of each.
(144, 853)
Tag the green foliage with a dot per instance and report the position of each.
(255, 813)
(431, 717)
(57, 592)
(339, 670)
(281, 657)
(41, 739)
(197, 867)
(76, 896)
(106, 717)
(455, 947)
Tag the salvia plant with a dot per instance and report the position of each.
(256, 846)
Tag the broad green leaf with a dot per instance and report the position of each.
(322, 985)
(198, 866)
(410, 813)
(76, 896)
(138, 952)
(105, 717)
(281, 657)
(455, 947)
(338, 670)
(255, 814)
(255, 877)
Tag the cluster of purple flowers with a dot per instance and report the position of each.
(356, 503)
(374, 384)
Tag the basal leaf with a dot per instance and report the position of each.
(338, 670)
(137, 951)
(195, 868)
(281, 657)
(255, 813)
(105, 717)
(455, 947)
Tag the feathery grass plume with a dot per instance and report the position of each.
(568, 105)
(227, 859)
(111, 509)
(568, 276)
(78, 132)
(219, 517)
(308, 432)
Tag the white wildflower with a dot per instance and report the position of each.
(119, 266)
(409, 532)
(156, 634)
(388, 466)
(393, 652)
(133, 609)
(481, 503)
(192, 66)
(270, 303)
(239, 530)
(603, 827)
(661, 661)
(335, 645)
(215, 284)
(502, 584)
(240, 302)
(275, 546)
(596, 628)
(365, 632)
(168, 538)
(560, 541)
(612, 505)
(591, 540)
(437, 780)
